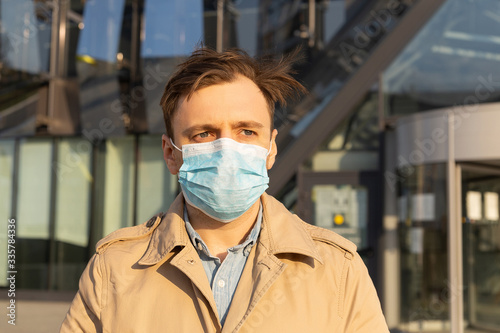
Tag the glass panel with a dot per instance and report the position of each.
(157, 188)
(481, 243)
(119, 184)
(359, 131)
(172, 28)
(25, 35)
(333, 16)
(210, 23)
(33, 209)
(24, 60)
(423, 247)
(33, 200)
(236, 15)
(156, 72)
(102, 25)
(285, 24)
(454, 60)
(73, 179)
(165, 40)
(343, 209)
(353, 145)
(97, 62)
(247, 25)
(72, 216)
(7, 150)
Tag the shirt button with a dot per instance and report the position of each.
(221, 283)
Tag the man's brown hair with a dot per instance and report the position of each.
(206, 67)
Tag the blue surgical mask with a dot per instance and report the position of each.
(223, 178)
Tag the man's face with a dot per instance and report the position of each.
(235, 110)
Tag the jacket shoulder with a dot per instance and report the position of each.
(130, 233)
(331, 238)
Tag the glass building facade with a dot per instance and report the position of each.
(394, 147)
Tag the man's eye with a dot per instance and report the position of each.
(248, 132)
(203, 135)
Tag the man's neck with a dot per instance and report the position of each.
(220, 236)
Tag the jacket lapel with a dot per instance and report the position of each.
(261, 270)
(188, 262)
(172, 233)
(281, 233)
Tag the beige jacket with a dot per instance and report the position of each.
(298, 278)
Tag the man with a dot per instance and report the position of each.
(226, 257)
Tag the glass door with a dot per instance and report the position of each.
(423, 250)
(481, 245)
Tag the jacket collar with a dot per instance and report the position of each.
(282, 232)
(171, 232)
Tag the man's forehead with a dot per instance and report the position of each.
(239, 102)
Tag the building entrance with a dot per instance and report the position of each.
(448, 207)
(481, 245)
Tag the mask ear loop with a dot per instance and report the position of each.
(270, 147)
(173, 144)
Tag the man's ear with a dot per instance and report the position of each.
(170, 155)
(274, 150)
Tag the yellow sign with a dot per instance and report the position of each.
(338, 219)
(86, 58)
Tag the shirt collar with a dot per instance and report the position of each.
(200, 245)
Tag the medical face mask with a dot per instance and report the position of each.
(223, 178)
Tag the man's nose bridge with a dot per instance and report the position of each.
(226, 132)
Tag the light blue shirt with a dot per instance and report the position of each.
(223, 277)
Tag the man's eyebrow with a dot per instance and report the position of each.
(248, 124)
(202, 127)
(208, 127)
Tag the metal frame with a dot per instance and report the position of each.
(220, 25)
(52, 257)
(138, 116)
(455, 266)
(54, 60)
(15, 179)
(62, 114)
(312, 22)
